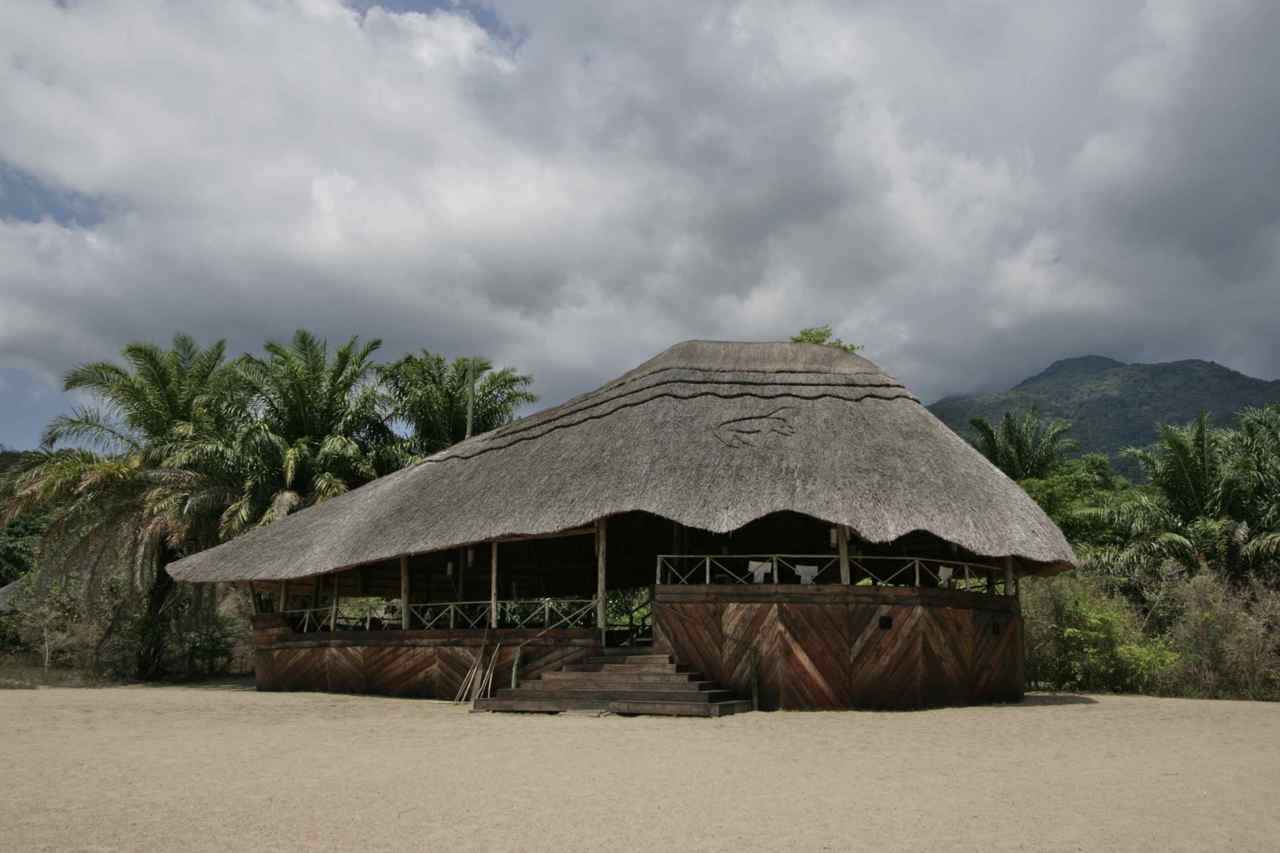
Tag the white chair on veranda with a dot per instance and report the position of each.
(806, 573)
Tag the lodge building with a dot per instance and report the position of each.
(727, 526)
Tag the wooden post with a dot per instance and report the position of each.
(601, 548)
(333, 606)
(404, 593)
(284, 596)
(493, 584)
(315, 593)
(842, 542)
(1008, 576)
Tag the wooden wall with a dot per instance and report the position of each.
(828, 647)
(425, 664)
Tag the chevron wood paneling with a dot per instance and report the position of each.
(754, 644)
(814, 655)
(847, 647)
(697, 631)
(803, 648)
(410, 665)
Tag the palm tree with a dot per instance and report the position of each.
(431, 397)
(1211, 503)
(1185, 466)
(1023, 447)
(315, 429)
(111, 500)
(1249, 488)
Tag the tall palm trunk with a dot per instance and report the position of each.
(155, 624)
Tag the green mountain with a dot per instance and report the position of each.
(1112, 405)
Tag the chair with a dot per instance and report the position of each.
(760, 569)
(806, 572)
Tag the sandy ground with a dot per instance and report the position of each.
(227, 768)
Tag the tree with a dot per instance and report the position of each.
(1023, 446)
(1185, 466)
(111, 506)
(19, 540)
(1249, 488)
(1072, 493)
(430, 397)
(1209, 507)
(824, 336)
(311, 428)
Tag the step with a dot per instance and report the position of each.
(542, 706)
(703, 696)
(625, 667)
(628, 682)
(682, 709)
(637, 649)
(624, 707)
(602, 678)
(631, 658)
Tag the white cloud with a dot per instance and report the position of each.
(970, 195)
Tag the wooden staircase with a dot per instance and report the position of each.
(623, 681)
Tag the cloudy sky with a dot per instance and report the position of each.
(969, 189)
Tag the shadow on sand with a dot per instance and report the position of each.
(1033, 700)
(236, 684)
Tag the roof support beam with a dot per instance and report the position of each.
(333, 605)
(1008, 576)
(404, 593)
(842, 542)
(493, 584)
(601, 548)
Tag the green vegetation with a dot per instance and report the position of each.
(1025, 446)
(824, 336)
(1178, 591)
(183, 449)
(440, 403)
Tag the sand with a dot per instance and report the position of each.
(227, 768)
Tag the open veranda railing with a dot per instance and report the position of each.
(627, 610)
(825, 569)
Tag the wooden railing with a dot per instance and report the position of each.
(629, 615)
(449, 614)
(548, 613)
(825, 569)
(545, 613)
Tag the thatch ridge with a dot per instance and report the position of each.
(694, 435)
(455, 454)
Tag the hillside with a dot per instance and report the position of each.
(8, 458)
(1113, 405)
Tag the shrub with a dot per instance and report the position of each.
(1227, 641)
(1081, 638)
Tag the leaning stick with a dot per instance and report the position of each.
(479, 688)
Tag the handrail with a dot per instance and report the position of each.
(547, 613)
(709, 569)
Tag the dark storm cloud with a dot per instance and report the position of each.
(970, 191)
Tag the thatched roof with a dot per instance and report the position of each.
(709, 434)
